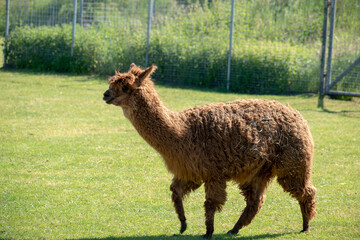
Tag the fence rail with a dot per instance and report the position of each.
(260, 46)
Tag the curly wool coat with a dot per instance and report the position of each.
(247, 141)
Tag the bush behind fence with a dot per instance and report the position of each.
(276, 44)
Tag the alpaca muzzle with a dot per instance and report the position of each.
(107, 97)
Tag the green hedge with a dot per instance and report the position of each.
(49, 48)
(256, 67)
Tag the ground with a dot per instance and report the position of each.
(73, 167)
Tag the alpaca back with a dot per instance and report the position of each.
(236, 138)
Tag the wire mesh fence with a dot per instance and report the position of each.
(346, 47)
(39, 13)
(275, 44)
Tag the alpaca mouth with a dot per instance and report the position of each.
(108, 101)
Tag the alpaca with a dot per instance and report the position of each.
(246, 141)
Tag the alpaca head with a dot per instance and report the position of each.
(123, 85)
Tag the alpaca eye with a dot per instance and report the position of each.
(125, 89)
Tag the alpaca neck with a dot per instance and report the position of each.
(159, 126)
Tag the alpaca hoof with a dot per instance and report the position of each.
(207, 236)
(183, 227)
(306, 228)
(232, 232)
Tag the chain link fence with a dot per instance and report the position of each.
(258, 46)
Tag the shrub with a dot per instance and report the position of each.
(49, 48)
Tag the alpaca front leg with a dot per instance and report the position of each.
(179, 189)
(215, 193)
(210, 207)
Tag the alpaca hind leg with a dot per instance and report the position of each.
(302, 189)
(215, 194)
(254, 194)
(179, 189)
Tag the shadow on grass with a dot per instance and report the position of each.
(103, 78)
(174, 237)
(351, 114)
(345, 113)
(79, 77)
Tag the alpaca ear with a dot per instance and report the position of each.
(146, 73)
(132, 65)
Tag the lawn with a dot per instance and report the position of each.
(72, 167)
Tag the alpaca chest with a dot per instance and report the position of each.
(184, 166)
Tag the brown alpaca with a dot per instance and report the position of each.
(247, 141)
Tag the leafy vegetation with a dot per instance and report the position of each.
(275, 49)
(73, 167)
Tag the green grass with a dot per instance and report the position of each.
(73, 167)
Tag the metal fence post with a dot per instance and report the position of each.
(331, 37)
(150, 13)
(74, 28)
(7, 23)
(105, 7)
(323, 48)
(81, 12)
(53, 14)
(323, 57)
(230, 45)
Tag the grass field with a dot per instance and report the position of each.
(72, 167)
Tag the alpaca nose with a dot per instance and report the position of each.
(107, 95)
